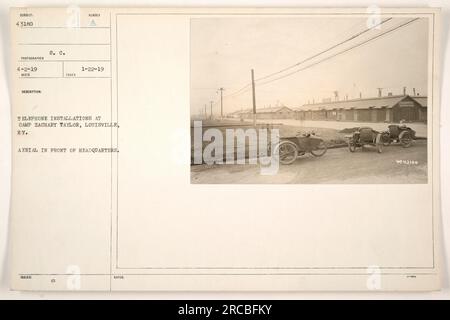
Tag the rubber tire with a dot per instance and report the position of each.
(405, 141)
(351, 146)
(321, 151)
(386, 139)
(277, 148)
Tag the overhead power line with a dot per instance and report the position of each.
(339, 53)
(238, 91)
(248, 86)
(323, 51)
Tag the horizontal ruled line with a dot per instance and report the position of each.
(36, 61)
(56, 27)
(64, 77)
(64, 44)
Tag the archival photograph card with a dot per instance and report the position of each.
(225, 149)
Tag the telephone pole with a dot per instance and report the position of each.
(254, 98)
(336, 95)
(380, 92)
(221, 102)
(206, 113)
(211, 114)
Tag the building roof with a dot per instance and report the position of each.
(422, 100)
(243, 111)
(377, 103)
(272, 109)
(238, 111)
(262, 110)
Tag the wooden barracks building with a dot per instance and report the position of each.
(280, 112)
(381, 109)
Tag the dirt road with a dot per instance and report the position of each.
(394, 165)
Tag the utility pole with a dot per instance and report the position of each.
(211, 114)
(206, 113)
(221, 102)
(336, 95)
(254, 98)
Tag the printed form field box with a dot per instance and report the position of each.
(51, 52)
(87, 69)
(72, 36)
(69, 17)
(39, 69)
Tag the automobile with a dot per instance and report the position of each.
(398, 134)
(290, 148)
(365, 136)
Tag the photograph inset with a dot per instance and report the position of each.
(309, 100)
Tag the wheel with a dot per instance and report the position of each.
(386, 139)
(320, 150)
(286, 152)
(405, 140)
(351, 145)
